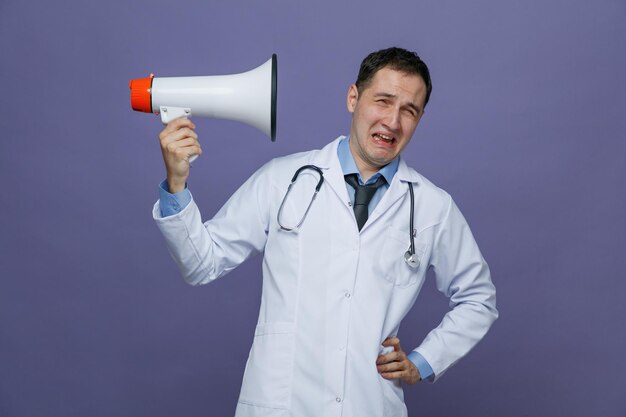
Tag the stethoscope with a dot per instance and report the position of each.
(409, 256)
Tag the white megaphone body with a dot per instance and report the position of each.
(248, 97)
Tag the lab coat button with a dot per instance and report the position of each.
(338, 399)
(347, 295)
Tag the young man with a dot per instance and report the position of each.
(342, 269)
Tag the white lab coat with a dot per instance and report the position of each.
(332, 294)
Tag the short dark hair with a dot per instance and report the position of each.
(397, 59)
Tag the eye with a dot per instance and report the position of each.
(411, 112)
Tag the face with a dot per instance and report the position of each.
(384, 117)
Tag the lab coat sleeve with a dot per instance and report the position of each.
(205, 252)
(463, 276)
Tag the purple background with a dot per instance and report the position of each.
(526, 129)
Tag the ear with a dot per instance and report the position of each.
(353, 97)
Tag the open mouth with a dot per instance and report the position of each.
(383, 138)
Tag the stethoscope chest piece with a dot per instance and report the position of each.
(411, 259)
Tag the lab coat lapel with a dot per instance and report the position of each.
(397, 190)
(327, 160)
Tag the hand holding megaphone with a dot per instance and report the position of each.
(179, 142)
(171, 114)
(249, 97)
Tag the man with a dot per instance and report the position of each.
(336, 283)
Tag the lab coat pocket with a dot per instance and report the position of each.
(267, 378)
(391, 262)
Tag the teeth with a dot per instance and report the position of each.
(384, 137)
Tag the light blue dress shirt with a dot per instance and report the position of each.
(171, 204)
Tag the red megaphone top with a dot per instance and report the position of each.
(141, 94)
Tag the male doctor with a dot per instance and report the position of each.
(341, 270)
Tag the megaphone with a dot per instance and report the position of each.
(248, 97)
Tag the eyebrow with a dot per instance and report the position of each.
(389, 95)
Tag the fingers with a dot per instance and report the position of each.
(176, 124)
(390, 357)
(393, 341)
(393, 361)
(181, 148)
(394, 375)
(396, 365)
(404, 370)
(395, 370)
(396, 355)
(177, 135)
(392, 366)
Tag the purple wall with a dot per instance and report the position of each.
(526, 129)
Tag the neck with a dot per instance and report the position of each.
(366, 170)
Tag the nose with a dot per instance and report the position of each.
(392, 119)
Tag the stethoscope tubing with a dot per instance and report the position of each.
(409, 256)
(411, 229)
(293, 180)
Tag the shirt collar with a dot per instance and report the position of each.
(348, 166)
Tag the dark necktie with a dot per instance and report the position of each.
(362, 196)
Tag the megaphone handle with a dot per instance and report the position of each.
(170, 113)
